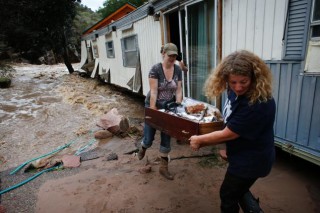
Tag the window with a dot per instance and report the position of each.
(315, 20)
(110, 49)
(312, 65)
(95, 51)
(129, 51)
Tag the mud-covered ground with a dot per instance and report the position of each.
(46, 108)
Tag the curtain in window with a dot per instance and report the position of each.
(198, 49)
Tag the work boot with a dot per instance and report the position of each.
(250, 204)
(163, 169)
(141, 153)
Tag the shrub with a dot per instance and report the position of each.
(6, 73)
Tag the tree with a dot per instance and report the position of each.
(38, 26)
(110, 6)
(83, 20)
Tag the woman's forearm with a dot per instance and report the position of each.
(179, 92)
(153, 92)
(213, 138)
(153, 99)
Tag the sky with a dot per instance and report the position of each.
(93, 4)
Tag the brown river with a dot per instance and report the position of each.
(45, 108)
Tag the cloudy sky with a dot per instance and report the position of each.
(93, 4)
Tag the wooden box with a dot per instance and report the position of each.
(178, 127)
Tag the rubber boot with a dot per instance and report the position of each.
(163, 169)
(250, 204)
(141, 153)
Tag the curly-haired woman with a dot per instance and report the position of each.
(249, 115)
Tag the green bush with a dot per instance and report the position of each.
(6, 73)
(6, 70)
(5, 82)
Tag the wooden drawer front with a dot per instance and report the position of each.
(205, 128)
(174, 126)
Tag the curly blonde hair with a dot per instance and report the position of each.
(242, 63)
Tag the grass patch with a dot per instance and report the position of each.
(212, 160)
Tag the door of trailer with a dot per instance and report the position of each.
(196, 39)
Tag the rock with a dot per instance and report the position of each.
(70, 161)
(40, 163)
(112, 156)
(102, 134)
(113, 122)
(92, 154)
(146, 169)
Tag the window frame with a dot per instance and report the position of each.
(126, 51)
(314, 22)
(110, 50)
(311, 66)
(95, 51)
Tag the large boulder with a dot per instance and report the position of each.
(113, 122)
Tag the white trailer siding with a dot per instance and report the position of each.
(119, 74)
(148, 34)
(102, 55)
(149, 39)
(254, 25)
(84, 54)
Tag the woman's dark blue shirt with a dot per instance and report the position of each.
(252, 154)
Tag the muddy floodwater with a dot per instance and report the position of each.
(46, 107)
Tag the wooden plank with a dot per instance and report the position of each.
(205, 128)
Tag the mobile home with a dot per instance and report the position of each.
(284, 33)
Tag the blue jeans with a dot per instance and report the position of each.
(149, 133)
